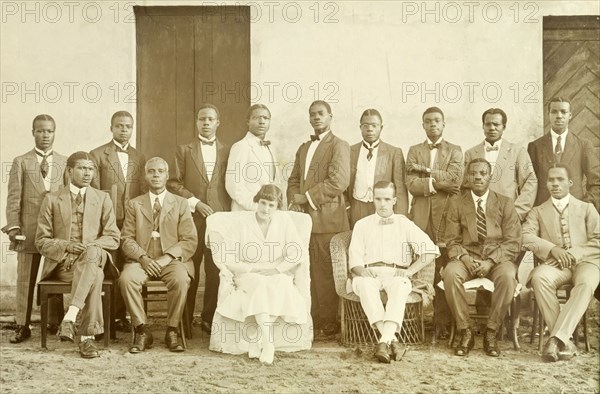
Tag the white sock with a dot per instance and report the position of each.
(389, 331)
(71, 313)
(83, 337)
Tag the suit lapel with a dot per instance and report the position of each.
(64, 206)
(550, 219)
(547, 149)
(146, 207)
(570, 148)
(198, 159)
(382, 160)
(90, 219)
(442, 154)
(469, 212)
(491, 213)
(32, 169)
(168, 205)
(354, 152)
(113, 160)
(502, 159)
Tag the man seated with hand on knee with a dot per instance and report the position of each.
(386, 250)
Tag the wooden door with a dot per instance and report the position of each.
(572, 70)
(187, 56)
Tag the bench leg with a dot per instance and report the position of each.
(44, 316)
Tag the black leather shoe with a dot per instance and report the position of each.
(467, 341)
(21, 334)
(52, 328)
(397, 350)
(123, 325)
(330, 329)
(567, 351)
(382, 352)
(142, 340)
(550, 352)
(490, 346)
(206, 327)
(173, 341)
(88, 349)
(67, 331)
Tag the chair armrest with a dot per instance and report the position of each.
(339, 259)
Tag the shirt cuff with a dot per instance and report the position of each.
(192, 201)
(11, 228)
(310, 202)
(431, 188)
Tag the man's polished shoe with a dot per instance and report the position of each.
(467, 341)
(88, 349)
(330, 329)
(52, 328)
(397, 350)
(382, 352)
(490, 346)
(142, 340)
(206, 327)
(21, 334)
(173, 342)
(123, 325)
(67, 331)
(550, 352)
(567, 351)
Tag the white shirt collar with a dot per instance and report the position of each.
(555, 135)
(161, 197)
(562, 203)
(322, 135)
(75, 190)
(213, 139)
(374, 145)
(438, 141)
(497, 143)
(41, 152)
(124, 147)
(484, 197)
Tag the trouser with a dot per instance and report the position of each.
(174, 276)
(322, 287)
(504, 277)
(211, 286)
(28, 265)
(546, 279)
(359, 210)
(86, 277)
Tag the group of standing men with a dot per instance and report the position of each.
(472, 208)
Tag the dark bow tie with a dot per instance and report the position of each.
(435, 146)
(121, 150)
(491, 148)
(209, 143)
(315, 137)
(44, 155)
(265, 143)
(388, 220)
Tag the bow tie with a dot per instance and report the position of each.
(491, 148)
(315, 137)
(209, 143)
(434, 146)
(121, 150)
(44, 155)
(265, 143)
(388, 220)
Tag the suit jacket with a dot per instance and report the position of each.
(503, 241)
(246, 173)
(513, 176)
(108, 173)
(26, 192)
(189, 179)
(541, 231)
(389, 167)
(178, 235)
(449, 166)
(54, 228)
(581, 158)
(327, 178)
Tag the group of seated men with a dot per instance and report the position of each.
(161, 233)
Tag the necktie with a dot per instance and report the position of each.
(558, 147)
(370, 149)
(265, 143)
(155, 215)
(481, 226)
(491, 148)
(121, 150)
(564, 225)
(78, 199)
(388, 220)
(434, 146)
(44, 164)
(315, 137)
(209, 143)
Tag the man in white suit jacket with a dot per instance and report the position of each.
(251, 161)
(564, 233)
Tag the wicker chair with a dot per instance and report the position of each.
(355, 327)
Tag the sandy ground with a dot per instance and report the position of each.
(328, 367)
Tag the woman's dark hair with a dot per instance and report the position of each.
(270, 193)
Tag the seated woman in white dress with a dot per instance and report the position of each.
(268, 251)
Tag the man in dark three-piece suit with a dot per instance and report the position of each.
(199, 175)
(371, 161)
(320, 175)
(31, 177)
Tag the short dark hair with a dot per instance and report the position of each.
(255, 107)
(208, 105)
(385, 185)
(480, 160)
(561, 165)
(120, 114)
(80, 155)
(371, 112)
(270, 192)
(559, 99)
(320, 102)
(495, 111)
(432, 110)
(43, 117)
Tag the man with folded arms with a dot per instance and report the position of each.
(159, 240)
(377, 263)
(483, 237)
(76, 229)
(564, 233)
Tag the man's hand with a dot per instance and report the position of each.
(483, 268)
(421, 168)
(204, 209)
(296, 208)
(164, 260)
(446, 186)
(564, 258)
(13, 233)
(151, 267)
(76, 248)
(300, 199)
(362, 271)
(469, 263)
